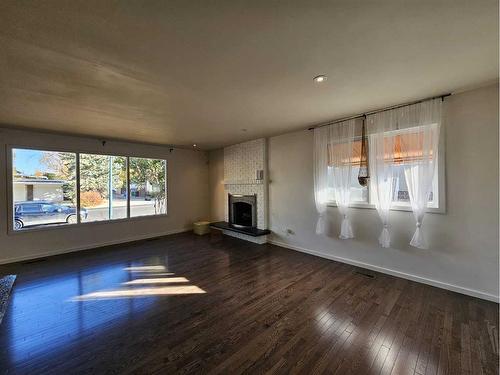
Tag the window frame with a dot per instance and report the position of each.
(10, 195)
(128, 187)
(439, 179)
(79, 187)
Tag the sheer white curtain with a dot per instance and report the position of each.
(419, 153)
(409, 137)
(341, 159)
(381, 162)
(333, 158)
(322, 193)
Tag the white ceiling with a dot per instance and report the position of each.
(179, 72)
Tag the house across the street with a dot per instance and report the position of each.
(37, 188)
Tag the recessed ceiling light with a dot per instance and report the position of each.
(320, 78)
(194, 144)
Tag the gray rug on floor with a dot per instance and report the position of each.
(6, 283)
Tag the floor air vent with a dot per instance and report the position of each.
(365, 274)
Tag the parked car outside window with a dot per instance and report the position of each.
(30, 214)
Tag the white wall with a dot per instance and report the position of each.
(216, 185)
(463, 254)
(187, 198)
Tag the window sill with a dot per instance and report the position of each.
(431, 210)
(50, 227)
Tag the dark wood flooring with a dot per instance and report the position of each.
(212, 304)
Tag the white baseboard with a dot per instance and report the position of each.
(419, 279)
(93, 246)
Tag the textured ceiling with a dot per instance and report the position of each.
(179, 72)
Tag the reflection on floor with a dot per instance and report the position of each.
(35, 315)
(190, 304)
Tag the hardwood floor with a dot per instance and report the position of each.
(189, 304)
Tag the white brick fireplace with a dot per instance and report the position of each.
(242, 163)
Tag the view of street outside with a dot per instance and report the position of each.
(44, 187)
(141, 207)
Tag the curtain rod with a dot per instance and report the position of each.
(377, 111)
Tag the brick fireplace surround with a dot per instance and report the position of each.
(242, 163)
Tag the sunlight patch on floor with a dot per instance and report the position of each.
(145, 268)
(162, 280)
(141, 292)
(137, 287)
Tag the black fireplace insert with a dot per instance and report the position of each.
(243, 210)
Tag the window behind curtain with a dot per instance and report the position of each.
(359, 194)
(407, 149)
